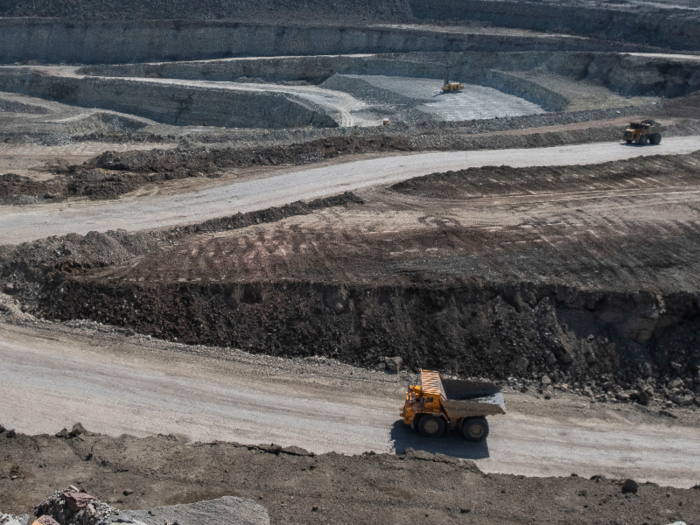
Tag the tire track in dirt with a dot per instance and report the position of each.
(146, 213)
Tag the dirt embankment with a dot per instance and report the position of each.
(113, 174)
(24, 269)
(489, 181)
(297, 487)
(580, 292)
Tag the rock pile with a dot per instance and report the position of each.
(73, 507)
(11, 519)
(669, 390)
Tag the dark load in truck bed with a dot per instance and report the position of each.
(463, 390)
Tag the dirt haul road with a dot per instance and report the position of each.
(29, 223)
(115, 385)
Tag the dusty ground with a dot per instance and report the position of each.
(574, 286)
(143, 387)
(296, 488)
(450, 261)
(559, 436)
(27, 223)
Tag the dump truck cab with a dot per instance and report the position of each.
(643, 133)
(434, 404)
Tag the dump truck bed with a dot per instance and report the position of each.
(462, 399)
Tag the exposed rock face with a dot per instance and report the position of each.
(674, 28)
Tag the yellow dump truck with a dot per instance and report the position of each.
(434, 404)
(643, 133)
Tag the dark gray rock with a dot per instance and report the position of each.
(630, 487)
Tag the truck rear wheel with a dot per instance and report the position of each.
(656, 139)
(475, 429)
(431, 426)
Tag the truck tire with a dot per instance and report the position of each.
(643, 140)
(475, 429)
(656, 139)
(431, 426)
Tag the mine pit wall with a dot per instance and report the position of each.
(672, 28)
(170, 104)
(472, 328)
(627, 75)
(117, 41)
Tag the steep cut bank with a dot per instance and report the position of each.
(493, 330)
(125, 41)
(674, 28)
(591, 274)
(267, 10)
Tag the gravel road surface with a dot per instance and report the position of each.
(34, 222)
(115, 386)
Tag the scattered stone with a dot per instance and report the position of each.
(128, 492)
(46, 520)
(78, 430)
(521, 364)
(642, 397)
(10, 434)
(546, 380)
(11, 519)
(683, 400)
(676, 383)
(71, 507)
(630, 487)
(566, 358)
(393, 364)
(296, 451)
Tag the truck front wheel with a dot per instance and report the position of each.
(475, 429)
(431, 426)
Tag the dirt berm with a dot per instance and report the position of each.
(298, 487)
(584, 288)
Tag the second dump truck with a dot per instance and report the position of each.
(643, 133)
(434, 404)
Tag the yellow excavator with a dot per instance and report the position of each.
(450, 87)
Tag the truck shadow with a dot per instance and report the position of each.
(450, 444)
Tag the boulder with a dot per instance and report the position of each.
(642, 397)
(566, 358)
(393, 364)
(683, 400)
(630, 487)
